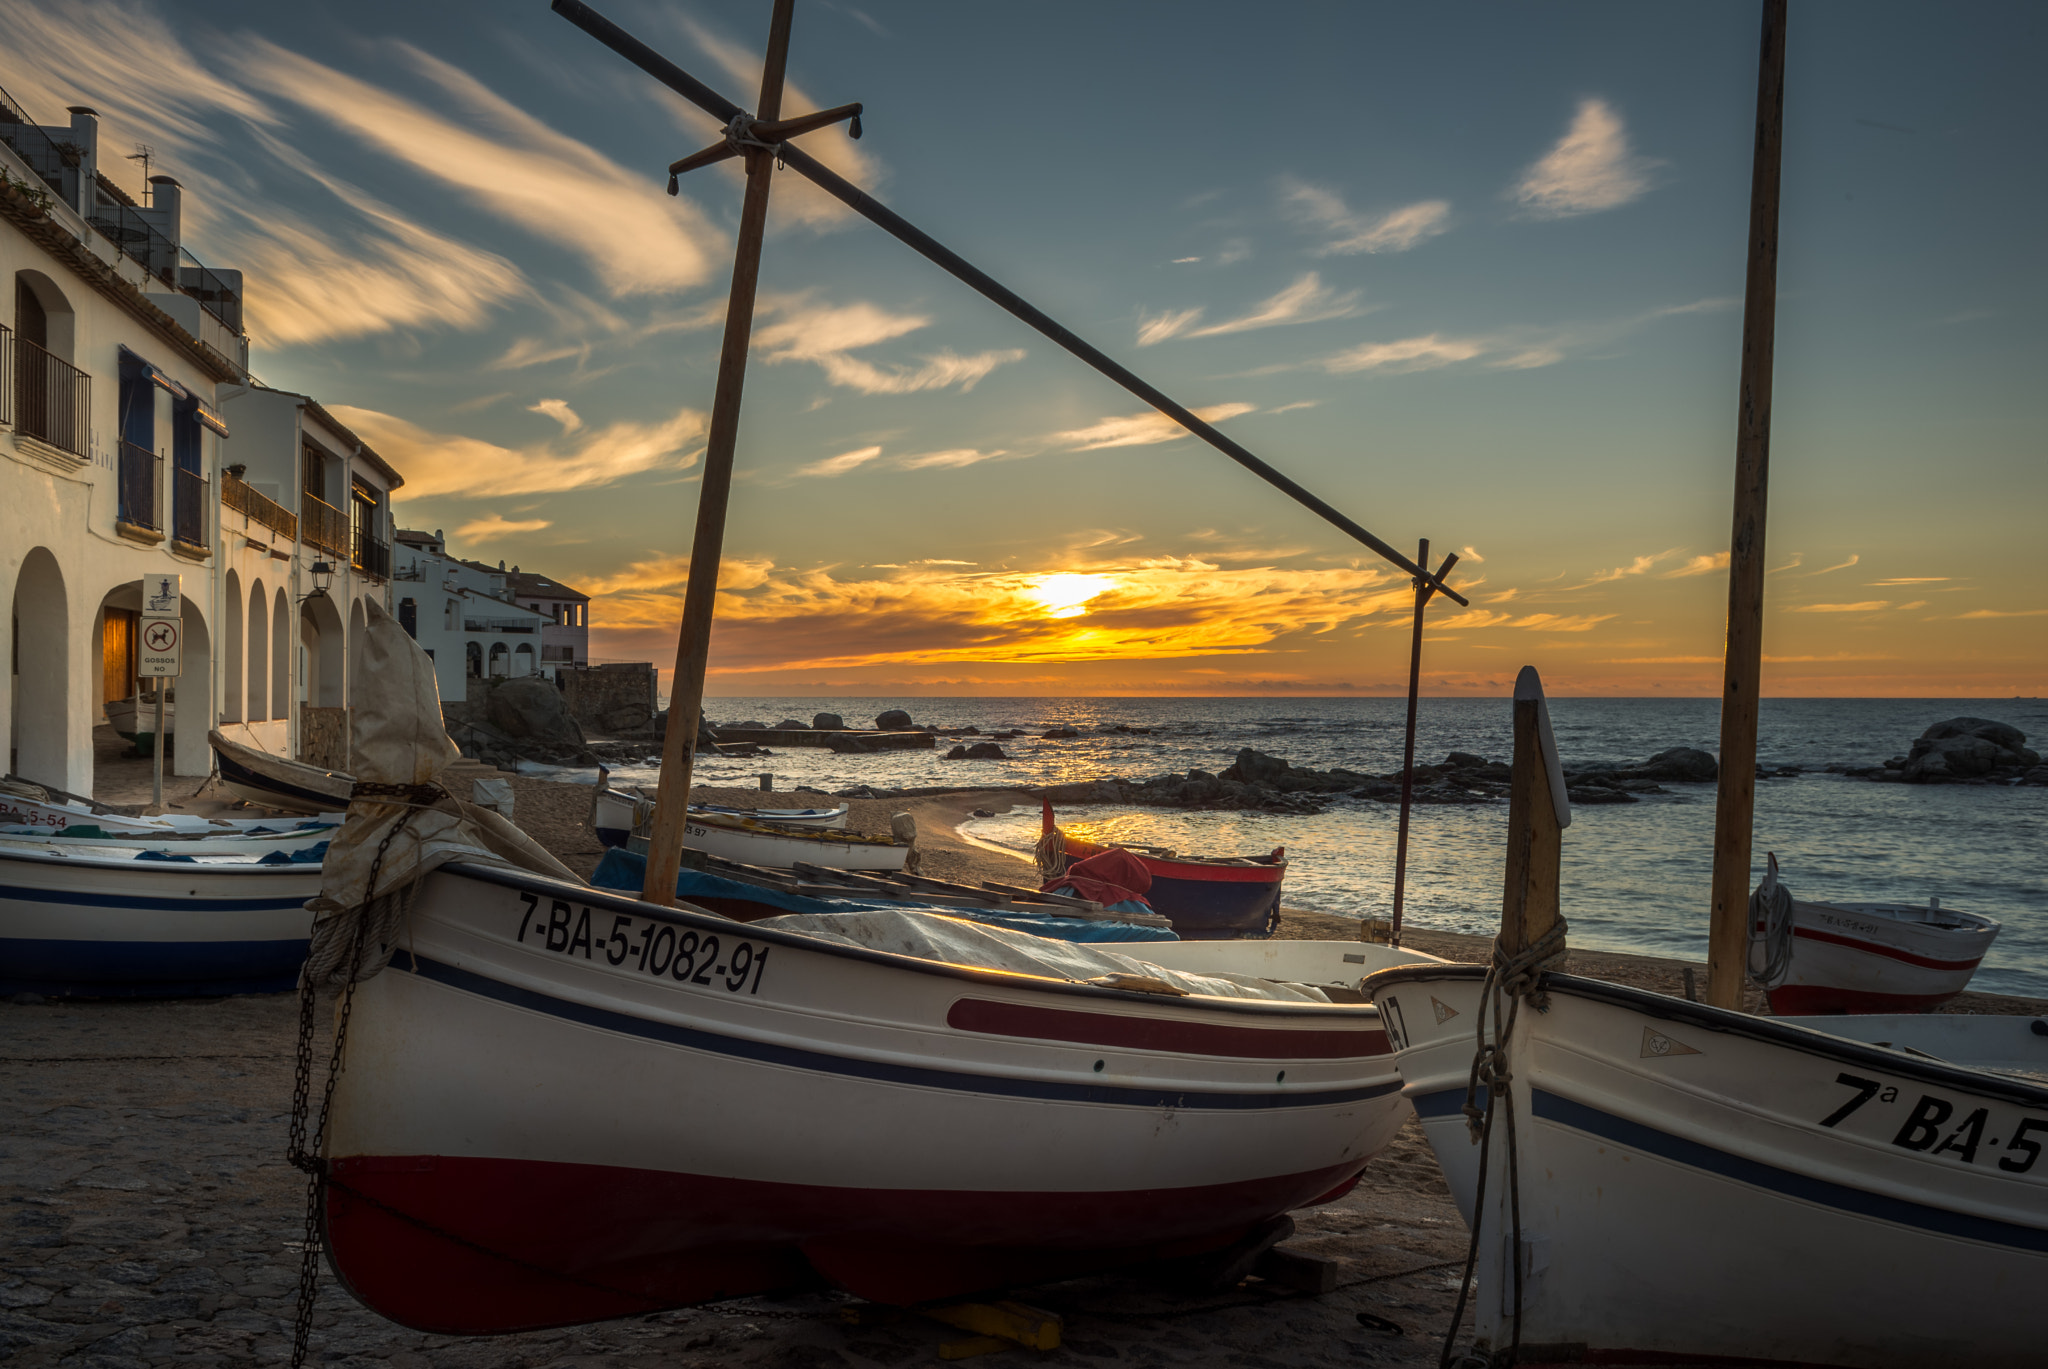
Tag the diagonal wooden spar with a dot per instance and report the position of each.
(739, 126)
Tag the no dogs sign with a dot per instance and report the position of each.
(160, 643)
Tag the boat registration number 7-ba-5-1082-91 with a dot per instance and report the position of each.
(655, 947)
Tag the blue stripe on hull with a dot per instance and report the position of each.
(1215, 909)
(798, 1058)
(169, 903)
(165, 969)
(1821, 1192)
(233, 773)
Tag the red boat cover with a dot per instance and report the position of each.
(1107, 877)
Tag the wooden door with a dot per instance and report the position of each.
(117, 655)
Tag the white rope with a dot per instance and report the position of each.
(1770, 929)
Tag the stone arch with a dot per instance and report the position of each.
(256, 656)
(473, 659)
(522, 659)
(45, 751)
(500, 661)
(44, 315)
(281, 654)
(233, 627)
(188, 751)
(320, 633)
(358, 625)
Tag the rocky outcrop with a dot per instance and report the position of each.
(980, 751)
(828, 722)
(522, 719)
(1961, 751)
(852, 744)
(1060, 731)
(790, 725)
(892, 720)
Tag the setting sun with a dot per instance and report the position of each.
(1066, 595)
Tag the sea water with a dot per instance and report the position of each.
(1635, 875)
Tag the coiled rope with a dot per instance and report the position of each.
(1770, 929)
(1511, 980)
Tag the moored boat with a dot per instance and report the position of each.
(1204, 897)
(114, 923)
(290, 839)
(275, 782)
(762, 843)
(1861, 957)
(30, 806)
(135, 717)
(619, 815)
(562, 1105)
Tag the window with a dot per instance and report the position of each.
(314, 471)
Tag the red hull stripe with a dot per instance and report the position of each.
(1888, 952)
(1818, 1000)
(918, 1076)
(469, 1245)
(1163, 1034)
(1190, 869)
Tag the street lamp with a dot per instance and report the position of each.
(322, 574)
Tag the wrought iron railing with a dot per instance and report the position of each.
(188, 506)
(52, 399)
(371, 556)
(6, 375)
(31, 144)
(323, 525)
(138, 487)
(212, 291)
(508, 625)
(239, 495)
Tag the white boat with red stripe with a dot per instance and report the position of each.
(559, 1106)
(1821, 958)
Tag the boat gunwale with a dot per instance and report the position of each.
(60, 860)
(1810, 1040)
(686, 914)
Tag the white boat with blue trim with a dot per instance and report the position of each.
(109, 922)
(561, 1105)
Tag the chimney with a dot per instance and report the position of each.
(85, 136)
(165, 203)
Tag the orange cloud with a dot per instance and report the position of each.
(450, 463)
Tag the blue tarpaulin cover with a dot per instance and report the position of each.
(626, 871)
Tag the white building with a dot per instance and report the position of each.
(565, 640)
(463, 615)
(305, 540)
(109, 432)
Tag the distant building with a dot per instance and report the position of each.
(463, 615)
(565, 641)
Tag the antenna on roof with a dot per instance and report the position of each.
(144, 153)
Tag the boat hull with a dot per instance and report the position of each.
(618, 818)
(1877, 958)
(1700, 1185)
(1207, 901)
(273, 782)
(150, 929)
(526, 1137)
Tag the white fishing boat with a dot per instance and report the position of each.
(109, 922)
(1818, 958)
(1695, 1183)
(619, 815)
(135, 716)
(275, 782)
(30, 806)
(511, 1146)
(289, 838)
(783, 848)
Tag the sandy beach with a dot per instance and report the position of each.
(151, 1218)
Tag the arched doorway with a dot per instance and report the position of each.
(280, 656)
(501, 660)
(232, 644)
(473, 659)
(320, 634)
(522, 659)
(256, 672)
(49, 392)
(358, 621)
(188, 751)
(52, 740)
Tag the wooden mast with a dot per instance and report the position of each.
(1538, 813)
(1425, 590)
(686, 686)
(1735, 801)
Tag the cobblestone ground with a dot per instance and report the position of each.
(147, 1217)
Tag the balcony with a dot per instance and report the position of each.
(246, 500)
(371, 556)
(513, 626)
(138, 488)
(52, 399)
(324, 526)
(188, 508)
(6, 370)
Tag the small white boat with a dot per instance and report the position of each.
(286, 837)
(783, 848)
(23, 806)
(275, 782)
(1696, 1183)
(1814, 958)
(108, 922)
(135, 716)
(620, 815)
(561, 1105)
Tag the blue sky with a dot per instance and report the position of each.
(1469, 271)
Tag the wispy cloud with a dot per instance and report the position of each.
(494, 527)
(558, 410)
(1590, 169)
(1698, 565)
(842, 463)
(827, 335)
(506, 161)
(1641, 565)
(1865, 606)
(1308, 300)
(2005, 613)
(1348, 233)
(1142, 430)
(1426, 353)
(1512, 348)
(454, 464)
(1911, 580)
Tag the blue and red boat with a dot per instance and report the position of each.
(1207, 898)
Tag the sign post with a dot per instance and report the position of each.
(161, 655)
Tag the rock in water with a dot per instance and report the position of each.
(528, 708)
(1256, 767)
(790, 725)
(1060, 731)
(986, 751)
(1967, 749)
(827, 722)
(1683, 763)
(893, 720)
